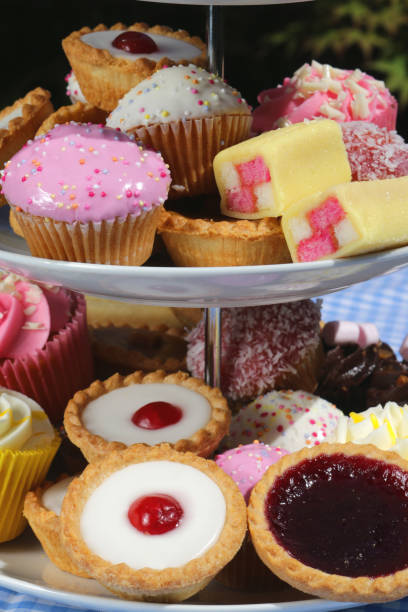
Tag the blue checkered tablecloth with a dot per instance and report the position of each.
(383, 301)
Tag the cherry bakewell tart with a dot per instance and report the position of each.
(153, 524)
(332, 521)
(42, 508)
(108, 62)
(147, 409)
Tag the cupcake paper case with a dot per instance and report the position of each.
(44, 345)
(189, 115)
(28, 444)
(83, 192)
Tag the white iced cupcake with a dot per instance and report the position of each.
(189, 115)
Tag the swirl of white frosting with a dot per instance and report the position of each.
(23, 423)
(53, 496)
(109, 416)
(384, 426)
(108, 532)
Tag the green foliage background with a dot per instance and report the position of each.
(369, 34)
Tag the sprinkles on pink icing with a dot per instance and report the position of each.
(176, 93)
(85, 172)
(289, 419)
(246, 464)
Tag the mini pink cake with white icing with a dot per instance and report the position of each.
(290, 420)
(263, 348)
(40, 328)
(82, 191)
(374, 152)
(319, 90)
(246, 464)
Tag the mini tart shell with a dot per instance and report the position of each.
(36, 106)
(169, 585)
(78, 112)
(147, 347)
(203, 442)
(47, 527)
(306, 578)
(104, 79)
(194, 242)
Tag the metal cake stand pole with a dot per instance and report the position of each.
(212, 316)
(215, 39)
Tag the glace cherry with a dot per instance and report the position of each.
(155, 514)
(135, 42)
(156, 415)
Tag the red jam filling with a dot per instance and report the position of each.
(342, 515)
(135, 42)
(155, 514)
(157, 415)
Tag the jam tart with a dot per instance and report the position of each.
(108, 62)
(20, 121)
(42, 508)
(147, 409)
(331, 521)
(153, 524)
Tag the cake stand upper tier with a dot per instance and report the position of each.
(199, 287)
(228, 2)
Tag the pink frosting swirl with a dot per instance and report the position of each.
(28, 314)
(318, 90)
(85, 172)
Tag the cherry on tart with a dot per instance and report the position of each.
(332, 521)
(108, 62)
(153, 524)
(135, 42)
(147, 409)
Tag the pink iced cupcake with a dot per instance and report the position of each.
(84, 192)
(246, 465)
(44, 344)
(319, 90)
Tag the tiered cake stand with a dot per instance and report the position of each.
(23, 566)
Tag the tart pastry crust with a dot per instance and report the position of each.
(35, 107)
(147, 348)
(171, 584)
(104, 79)
(303, 577)
(47, 527)
(78, 112)
(205, 242)
(203, 442)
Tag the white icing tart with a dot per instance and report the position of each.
(110, 415)
(110, 526)
(108, 532)
(147, 409)
(172, 48)
(52, 497)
